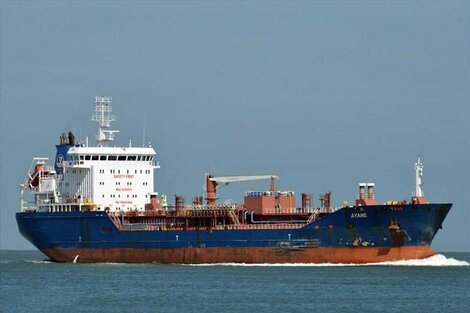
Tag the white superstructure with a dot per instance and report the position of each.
(111, 177)
(101, 177)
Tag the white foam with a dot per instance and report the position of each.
(38, 261)
(435, 260)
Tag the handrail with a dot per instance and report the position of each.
(153, 227)
(276, 222)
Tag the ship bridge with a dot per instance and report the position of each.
(86, 156)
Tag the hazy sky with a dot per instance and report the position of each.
(324, 94)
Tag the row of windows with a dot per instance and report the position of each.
(119, 196)
(119, 208)
(119, 171)
(129, 183)
(112, 157)
(114, 171)
(102, 184)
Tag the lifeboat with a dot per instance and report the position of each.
(39, 170)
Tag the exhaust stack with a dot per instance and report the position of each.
(366, 194)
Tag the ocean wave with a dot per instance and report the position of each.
(435, 260)
(38, 261)
(116, 264)
(26, 261)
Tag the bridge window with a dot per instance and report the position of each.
(131, 158)
(112, 158)
(94, 157)
(87, 157)
(121, 158)
(103, 157)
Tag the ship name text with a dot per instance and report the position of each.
(359, 215)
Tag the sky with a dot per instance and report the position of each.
(324, 94)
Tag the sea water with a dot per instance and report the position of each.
(31, 283)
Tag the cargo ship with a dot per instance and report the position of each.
(98, 204)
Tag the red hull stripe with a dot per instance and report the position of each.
(242, 255)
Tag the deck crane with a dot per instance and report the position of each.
(213, 182)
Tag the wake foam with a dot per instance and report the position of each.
(38, 261)
(26, 261)
(435, 260)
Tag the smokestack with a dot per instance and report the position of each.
(179, 203)
(370, 190)
(306, 201)
(362, 191)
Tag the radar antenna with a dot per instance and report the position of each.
(418, 175)
(103, 116)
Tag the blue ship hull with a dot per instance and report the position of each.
(349, 235)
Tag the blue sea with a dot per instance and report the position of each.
(31, 283)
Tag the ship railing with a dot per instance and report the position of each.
(313, 210)
(202, 207)
(29, 209)
(188, 207)
(170, 227)
(264, 226)
(208, 207)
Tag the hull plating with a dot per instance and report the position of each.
(349, 235)
(356, 255)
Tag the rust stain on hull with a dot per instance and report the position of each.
(357, 255)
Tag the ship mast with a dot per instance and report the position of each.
(104, 118)
(418, 176)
